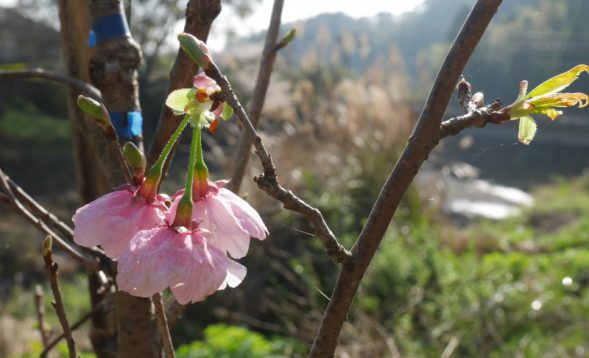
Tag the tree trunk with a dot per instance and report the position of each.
(130, 329)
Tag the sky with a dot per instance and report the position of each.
(295, 10)
(302, 9)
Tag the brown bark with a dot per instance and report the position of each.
(423, 139)
(93, 179)
(246, 140)
(137, 331)
(200, 15)
(94, 160)
(112, 67)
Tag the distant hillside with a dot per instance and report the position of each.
(27, 41)
(528, 39)
(337, 38)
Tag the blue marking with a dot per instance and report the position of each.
(108, 27)
(91, 39)
(127, 124)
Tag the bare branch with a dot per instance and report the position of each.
(478, 117)
(39, 73)
(242, 155)
(40, 309)
(423, 139)
(52, 269)
(74, 326)
(160, 313)
(46, 222)
(115, 142)
(268, 180)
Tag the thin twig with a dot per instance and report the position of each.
(115, 144)
(52, 269)
(479, 117)
(424, 138)
(74, 326)
(40, 212)
(160, 313)
(86, 256)
(268, 180)
(40, 309)
(242, 155)
(39, 73)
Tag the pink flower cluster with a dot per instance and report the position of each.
(153, 255)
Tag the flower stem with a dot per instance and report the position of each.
(184, 211)
(154, 175)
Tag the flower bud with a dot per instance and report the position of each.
(95, 110)
(200, 185)
(184, 213)
(47, 243)
(136, 160)
(286, 39)
(195, 49)
(478, 99)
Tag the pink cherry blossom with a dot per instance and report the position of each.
(177, 258)
(229, 218)
(112, 220)
(206, 84)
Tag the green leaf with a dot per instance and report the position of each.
(527, 130)
(549, 111)
(558, 82)
(227, 112)
(179, 99)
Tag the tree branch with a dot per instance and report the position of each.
(242, 155)
(478, 117)
(268, 180)
(46, 222)
(160, 313)
(40, 309)
(421, 142)
(52, 269)
(74, 326)
(39, 73)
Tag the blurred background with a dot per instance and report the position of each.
(488, 255)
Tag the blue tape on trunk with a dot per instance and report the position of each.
(127, 124)
(107, 27)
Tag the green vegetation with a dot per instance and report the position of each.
(519, 287)
(224, 341)
(31, 124)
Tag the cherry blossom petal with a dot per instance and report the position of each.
(113, 219)
(199, 272)
(202, 81)
(247, 217)
(143, 270)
